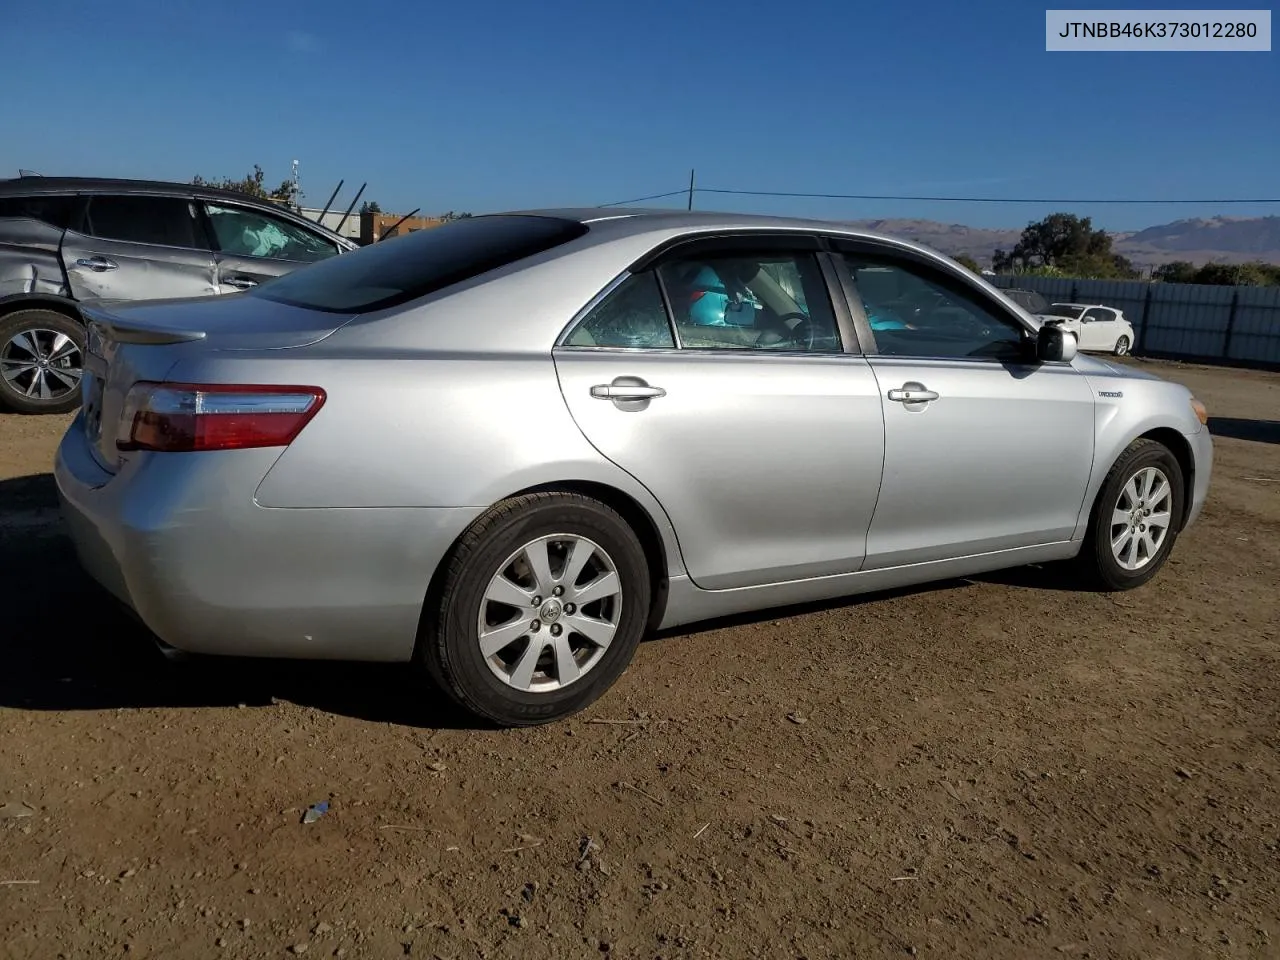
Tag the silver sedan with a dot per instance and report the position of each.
(504, 449)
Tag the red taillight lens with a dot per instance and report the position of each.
(188, 417)
(697, 295)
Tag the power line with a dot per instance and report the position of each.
(655, 196)
(869, 196)
(885, 196)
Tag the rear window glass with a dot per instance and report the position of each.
(55, 211)
(396, 271)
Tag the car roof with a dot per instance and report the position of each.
(640, 221)
(1084, 306)
(42, 185)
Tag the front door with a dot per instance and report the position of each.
(254, 246)
(761, 438)
(1099, 329)
(985, 449)
(138, 247)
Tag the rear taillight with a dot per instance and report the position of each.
(697, 295)
(187, 417)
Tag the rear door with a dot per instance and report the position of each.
(254, 246)
(758, 433)
(138, 247)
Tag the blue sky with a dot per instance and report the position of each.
(495, 104)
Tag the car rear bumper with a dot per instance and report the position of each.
(179, 539)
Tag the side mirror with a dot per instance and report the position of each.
(1054, 344)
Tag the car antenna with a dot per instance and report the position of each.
(396, 225)
(354, 201)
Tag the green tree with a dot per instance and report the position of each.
(1180, 271)
(252, 184)
(370, 206)
(1067, 243)
(453, 216)
(968, 263)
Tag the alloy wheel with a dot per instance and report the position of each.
(549, 613)
(41, 364)
(1141, 518)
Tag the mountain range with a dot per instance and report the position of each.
(1213, 240)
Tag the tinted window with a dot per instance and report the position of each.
(385, 274)
(633, 315)
(917, 312)
(1062, 310)
(167, 221)
(767, 301)
(1098, 315)
(249, 233)
(55, 211)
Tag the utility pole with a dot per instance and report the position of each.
(691, 172)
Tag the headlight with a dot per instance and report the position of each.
(1201, 413)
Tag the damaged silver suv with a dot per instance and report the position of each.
(63, 241)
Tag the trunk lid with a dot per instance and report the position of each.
(129, 341)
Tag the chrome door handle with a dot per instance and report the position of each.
(611, 391)
(912, 393)
(240, 283)
(97, 264)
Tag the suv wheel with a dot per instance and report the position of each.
(41, 361)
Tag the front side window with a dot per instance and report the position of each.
(632, 315)
(163, 221)
(916, 312)
(1098, 315)
(751, 302)
(1064, 310)
(251, 233)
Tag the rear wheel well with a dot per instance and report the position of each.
(1181, 451)
(64, 307)
(638, 520)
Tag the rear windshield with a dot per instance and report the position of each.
(1062, 310)
(396, 271)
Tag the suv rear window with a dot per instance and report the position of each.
(392, 272)
(55, 211)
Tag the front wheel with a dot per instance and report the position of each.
(41, 361)
(543, 603)
(1122, 346)
(1135, 518)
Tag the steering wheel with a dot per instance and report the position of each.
(777, 331)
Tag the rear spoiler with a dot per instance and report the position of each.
(108, 325)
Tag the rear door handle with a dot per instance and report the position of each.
(626, 391)
(912, 393)
(97, 264)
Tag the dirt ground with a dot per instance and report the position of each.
(998, 768)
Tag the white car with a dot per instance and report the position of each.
(1097, 328)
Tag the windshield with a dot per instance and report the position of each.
(392, 272)
(1062, 310)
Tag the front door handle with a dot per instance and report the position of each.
(97, 264)
(912, 393)
(240, 283)
(626, 391)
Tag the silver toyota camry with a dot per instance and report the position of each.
(504, 449)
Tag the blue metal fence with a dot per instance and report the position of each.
(1184, 321)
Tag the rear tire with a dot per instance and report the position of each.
(1122, 347)
(526, 561)
(41, 361)
(1136, 518)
